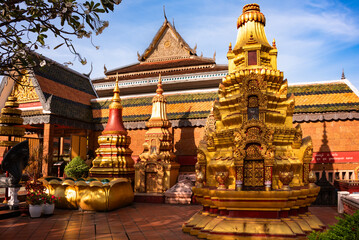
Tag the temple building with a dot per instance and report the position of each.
(56, 108)
(65, 113)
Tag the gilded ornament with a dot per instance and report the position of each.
(312, 179)
(24, 90)
(221, 178)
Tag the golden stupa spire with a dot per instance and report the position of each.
(252, 48)
(251, 26)
(116, 100)
(159, 90)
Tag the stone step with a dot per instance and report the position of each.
(3, 206)
(4, 214)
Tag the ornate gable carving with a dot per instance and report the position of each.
(25, 91)
(168, 47)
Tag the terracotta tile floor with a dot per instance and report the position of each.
(138, 221)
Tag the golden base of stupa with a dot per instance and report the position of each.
(90, 194)
(229, 214)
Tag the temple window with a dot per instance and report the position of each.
(253, 110)
(153, 146)
(252, 58)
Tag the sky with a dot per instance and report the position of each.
(316, 39)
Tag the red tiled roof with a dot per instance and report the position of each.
(63, 91)
(148, 66)
(309, 99)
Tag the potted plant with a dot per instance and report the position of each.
(35, 201)
(49, 204)
(76, 168)
(35, 197)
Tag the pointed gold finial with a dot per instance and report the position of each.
(230, 47)
(116, 100)
(274, 44)
(159, 85)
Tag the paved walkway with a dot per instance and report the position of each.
(138, 221)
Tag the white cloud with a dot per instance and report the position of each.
(312, 35)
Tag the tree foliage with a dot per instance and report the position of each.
(25, 25)
(347, 228)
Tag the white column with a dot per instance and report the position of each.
(340, 201)
(13, 202)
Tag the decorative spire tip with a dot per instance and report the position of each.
(159, 85)
(343, 75)
(274, 44)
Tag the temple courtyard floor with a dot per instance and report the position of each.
(137, 221)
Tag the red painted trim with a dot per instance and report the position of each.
(293, 212)
(30, 104)
(243, 200)
(253, 214)
(223, 212)
(258, 235)
(283, 214)
(115, 122)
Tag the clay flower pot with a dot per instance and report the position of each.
(35, 210)
(48, 209)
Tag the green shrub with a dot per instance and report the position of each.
(347, 228)
(77, 168)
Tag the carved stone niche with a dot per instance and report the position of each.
(154, 177)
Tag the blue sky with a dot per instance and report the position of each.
(316, 39)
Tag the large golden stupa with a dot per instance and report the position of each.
(253, 173)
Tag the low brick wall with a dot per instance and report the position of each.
(347, 203)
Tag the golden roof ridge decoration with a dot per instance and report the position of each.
(24, 90)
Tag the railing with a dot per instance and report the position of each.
(350, 186)
(348, 203)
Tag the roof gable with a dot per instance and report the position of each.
(167, 45)
(25, 90)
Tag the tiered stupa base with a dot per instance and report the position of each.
(229, 214)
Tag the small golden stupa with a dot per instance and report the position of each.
(253, 173)
(157, 171)
(113, 157)
(10, 118)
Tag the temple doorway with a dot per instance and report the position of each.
(253, 175)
